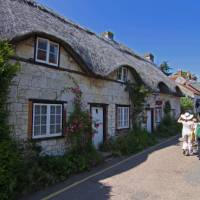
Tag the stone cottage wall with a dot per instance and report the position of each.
(39, 82)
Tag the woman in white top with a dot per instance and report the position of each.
(186, 120)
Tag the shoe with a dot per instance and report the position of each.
(186, 153)
(195, 153)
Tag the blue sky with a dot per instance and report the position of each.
(169, 29)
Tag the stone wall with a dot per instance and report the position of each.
(40, 82)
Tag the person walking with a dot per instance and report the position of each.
(186, 120)
(194, 137)
(197, 136)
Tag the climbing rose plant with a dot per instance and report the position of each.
(79, 129)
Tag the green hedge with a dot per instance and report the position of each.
(23, 170)
(10, 169)
(135, 141)
(168, 127)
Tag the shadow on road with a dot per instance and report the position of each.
(93, 188)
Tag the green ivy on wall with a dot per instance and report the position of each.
(7, 71)
(137, 95)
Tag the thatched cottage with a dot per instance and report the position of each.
(54, 53)
(190, 88)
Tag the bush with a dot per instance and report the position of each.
(168, 127)
(10, 169)
(10, 158)
(187, 104)
(71, 163)
(23, 170)
(135, 141)
(38, 172)
(7, 72)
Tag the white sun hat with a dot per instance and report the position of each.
(187, 116)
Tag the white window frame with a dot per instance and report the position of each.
(48, 52)
(122, 110)
(48, 134)
(124, 71)
(159, 111)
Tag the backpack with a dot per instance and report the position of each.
(197, 132)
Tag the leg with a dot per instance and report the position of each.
(185, 145)
(190, 149)
(198, 140)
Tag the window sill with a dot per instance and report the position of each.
(121, 129)
(46, 64)
(47, 138)
(121, 81)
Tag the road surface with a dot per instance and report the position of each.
(161, 173)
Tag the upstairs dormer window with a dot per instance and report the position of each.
(122, 74)
(47, 52)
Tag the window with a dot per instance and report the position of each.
(122, 74)
(158, 115)
(122, 117)
(47, 52)
(47, 120)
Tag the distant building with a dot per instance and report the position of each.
(189, 86)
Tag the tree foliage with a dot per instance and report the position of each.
(186, 104)
(165, 68)
(7, 72)
(10, 159)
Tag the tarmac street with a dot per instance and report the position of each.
(160, 173)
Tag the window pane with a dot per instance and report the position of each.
(52, 119)
(58, 119)
(40, 120)
(53, 54)
(37, 120)
(52, 58)
(119, 74)
(58, 109)
(52, 109)
(47, 125)
(42, 44)
(36, 130)
(123, 117)
(44, 109)
(58, 129)
(41, 55)
(54, 49)
(119, 116)
(37, 109)
(43, 130)
(52, 129)
(43, 120)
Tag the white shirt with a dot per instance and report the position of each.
(187, 128)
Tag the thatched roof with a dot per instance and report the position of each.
(196, 85)
(22, 18)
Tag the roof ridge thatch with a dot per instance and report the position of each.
(50, 11)
(66, 20)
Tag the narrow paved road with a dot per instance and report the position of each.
(159, 174)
